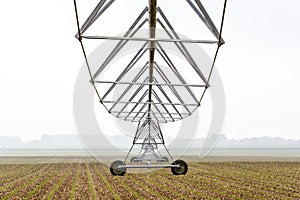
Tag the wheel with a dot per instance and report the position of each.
(133, 159)
(117, 172)
(181, 170)
(165, 159)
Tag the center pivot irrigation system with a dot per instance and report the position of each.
(150, 98)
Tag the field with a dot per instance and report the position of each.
(205, 180)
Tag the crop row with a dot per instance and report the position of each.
(89, 180)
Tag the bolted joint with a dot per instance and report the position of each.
(78, 37)
(220, 43)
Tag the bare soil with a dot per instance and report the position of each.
(222, 180)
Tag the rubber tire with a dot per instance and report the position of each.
(166, 159)
(117, 172)
(182, 170)
(133, 159)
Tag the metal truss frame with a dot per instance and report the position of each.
(148, 102)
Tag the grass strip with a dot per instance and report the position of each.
(15, 191)
(247, 171)
(145, 187)
(207, 182)
(10, 176)
(115, 195)
(239, 185)
(54, 189)
(192, 190)
(167, 189)
(130, 189)
(30, 194)
(22, 178)
(75, 182)
(13, 169)
(91, 184)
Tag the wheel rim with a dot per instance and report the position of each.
(117, 171)
(180, 169)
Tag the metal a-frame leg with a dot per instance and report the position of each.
(149, 136)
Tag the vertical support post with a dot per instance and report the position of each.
(152, 27)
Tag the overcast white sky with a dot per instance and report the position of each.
(259, 66)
